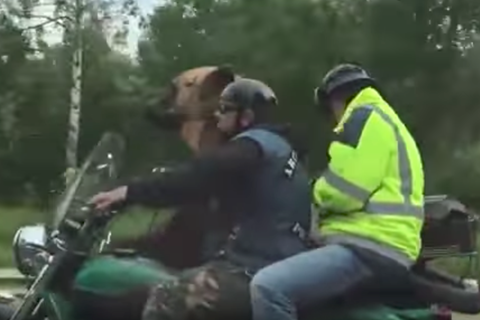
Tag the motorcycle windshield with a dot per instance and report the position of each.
(98, 173)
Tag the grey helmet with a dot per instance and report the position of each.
(246, 93)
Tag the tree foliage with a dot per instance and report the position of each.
(426, 55)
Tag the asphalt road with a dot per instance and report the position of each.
(465, 317)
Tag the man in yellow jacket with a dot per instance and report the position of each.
(371, 203)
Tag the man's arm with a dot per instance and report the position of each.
(198, 178)
(358, 161)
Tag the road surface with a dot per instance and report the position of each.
(465, 317)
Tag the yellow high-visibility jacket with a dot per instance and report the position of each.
(372, 190)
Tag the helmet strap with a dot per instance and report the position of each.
(238, 120)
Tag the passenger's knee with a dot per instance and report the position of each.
(266, 292)
(264, 282)
(262, 294)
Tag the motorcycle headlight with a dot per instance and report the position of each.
(29, 249)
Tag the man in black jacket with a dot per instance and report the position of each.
(258, 179)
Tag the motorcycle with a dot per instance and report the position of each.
(72, 252)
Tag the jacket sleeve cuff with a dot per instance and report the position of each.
(135, 192)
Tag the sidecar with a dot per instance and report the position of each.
(72, 275)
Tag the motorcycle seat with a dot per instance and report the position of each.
(425, 287)
(434, 287)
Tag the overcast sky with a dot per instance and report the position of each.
(54, 35)
(146, 7)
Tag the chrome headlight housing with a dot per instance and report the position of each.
(30, 252)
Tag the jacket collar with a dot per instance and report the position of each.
(365, 97)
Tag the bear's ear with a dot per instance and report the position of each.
(216, 80)
(224, 73)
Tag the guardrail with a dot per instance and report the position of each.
(10, 274)
(12, 282)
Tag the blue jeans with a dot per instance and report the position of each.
(278, 290)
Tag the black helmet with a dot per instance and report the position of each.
(339, 76)
(246, 93)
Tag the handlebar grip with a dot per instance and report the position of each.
(119, 206)
(111, 212)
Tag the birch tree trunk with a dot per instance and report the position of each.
(75, 93)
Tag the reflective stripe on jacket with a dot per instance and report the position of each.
(372, 191)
